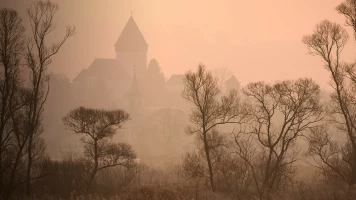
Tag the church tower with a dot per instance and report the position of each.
(131, 49)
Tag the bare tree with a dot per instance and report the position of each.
(193, 166)
(11, 50)
(99, 126)
(41, 15)
(279, 114)
(245, 156)
(202, 90)
(334, 160)
(348, 9)
(194, 163)
(327, 42)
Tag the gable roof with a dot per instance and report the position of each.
(131, 39)
(176, 79)
(232, 80)
(232, 83)
(102, 69)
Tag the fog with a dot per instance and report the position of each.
(147, 64)
(181, 34)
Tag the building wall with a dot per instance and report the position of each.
(130, 59)
(175, 88)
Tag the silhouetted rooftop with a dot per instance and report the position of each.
(232, 80)
(176, 79)
(131, 39)
(103, 69)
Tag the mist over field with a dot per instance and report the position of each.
(177, 99)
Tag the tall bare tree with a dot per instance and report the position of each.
(348, 9)
(279, 114)
(41, 15)
(327, 42)
(202, 90)
(11, 50)
(99, 126)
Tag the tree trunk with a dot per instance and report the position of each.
(96, 164)
(353, 169)
(29, 166)
(5, 95)
(207, 153)
(9, 191)
(196, 189)
(91, 178)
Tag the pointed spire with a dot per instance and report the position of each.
(131, 38)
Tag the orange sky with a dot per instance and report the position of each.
(257, 40)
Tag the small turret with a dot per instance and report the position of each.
(134, 95)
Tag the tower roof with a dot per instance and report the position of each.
(232, 83)
(131, 39)
(232, 80)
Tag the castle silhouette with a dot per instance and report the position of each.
(132, 84)
(124, 75)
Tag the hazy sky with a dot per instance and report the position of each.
(257, 40)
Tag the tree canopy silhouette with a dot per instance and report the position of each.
(99, 126)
